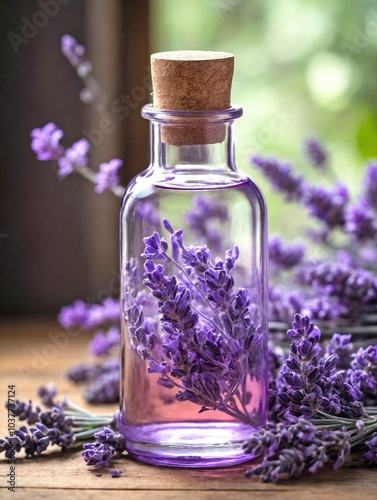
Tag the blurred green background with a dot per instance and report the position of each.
(301, 69)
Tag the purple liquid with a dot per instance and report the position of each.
(159, 429)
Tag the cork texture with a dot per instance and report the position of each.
(192, 81)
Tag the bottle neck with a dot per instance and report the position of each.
(195, 140)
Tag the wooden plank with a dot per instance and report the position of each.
(176, 495)
(53, 470)
(57, 474)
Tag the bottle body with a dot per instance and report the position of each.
(194, 375)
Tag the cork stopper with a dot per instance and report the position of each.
(192, 80)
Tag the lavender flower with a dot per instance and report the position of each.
(74, 315)
(206, 360)
(51, 427)
(351, 286)
(361, 223)
(283, 304)
(74, 158)
(74, 52)
(45, 142)
(147, 210)
(340, 345)
(322, 309)
(370, 185)
(47, 395)
(116, 472)
(155, 247)
(107, 177)
(328, 206)
(371, 454)
(281, 177)
(98, 454)
(84, 372)
(284, 255)
(63, 424)
(316, 153)
(308, 384)
(105, 313)
(364, 370)
(101, 344)
(24, 411)
(87, 316)
(294, 449)
(104, 389)
(108, 436)
(107, 443)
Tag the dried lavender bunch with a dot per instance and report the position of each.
(312, 385)
(63, 424)
(208, 336)
(294, 449)
(319, 407)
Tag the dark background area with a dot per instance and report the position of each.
(58, 239)
(301, 69)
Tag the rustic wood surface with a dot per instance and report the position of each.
(24, 363)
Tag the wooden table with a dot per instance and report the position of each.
(56, 475)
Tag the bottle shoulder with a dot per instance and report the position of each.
(149, 188)
(190, 179)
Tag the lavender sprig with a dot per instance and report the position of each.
(101, 344)
(371, 454)
(74, 159)
(46, 146)
(369, 192)
(285, 255)
(63, 424)
(208, 336)
(90, 316)
(294, 449)
(108, 443)
(281, 177)
(102, 380)
(317, 406)
(316, 153)
(92, 92)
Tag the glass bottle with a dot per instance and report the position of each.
(194, 333)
